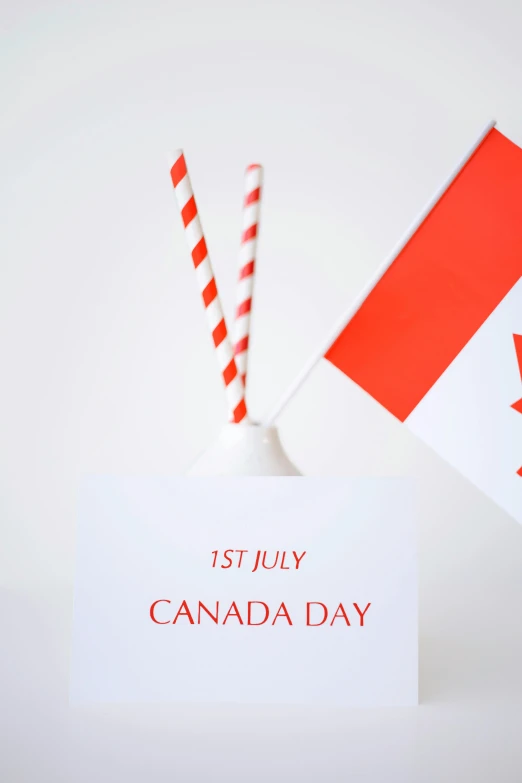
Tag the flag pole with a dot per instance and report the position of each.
(347, 316)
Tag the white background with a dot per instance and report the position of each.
(358, 111)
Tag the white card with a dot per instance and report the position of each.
(247, 590)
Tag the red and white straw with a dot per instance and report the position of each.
(247, 260)
(207, 285)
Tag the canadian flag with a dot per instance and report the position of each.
(438, 341)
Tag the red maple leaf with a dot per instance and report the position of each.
(518, 350)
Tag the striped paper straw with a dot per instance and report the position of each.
(207, 285)
(247, 259)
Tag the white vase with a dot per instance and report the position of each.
(245, 450)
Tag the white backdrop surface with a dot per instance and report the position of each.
(357, 111)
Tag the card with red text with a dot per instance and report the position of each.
(248, 590)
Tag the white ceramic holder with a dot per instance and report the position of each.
(245, 450)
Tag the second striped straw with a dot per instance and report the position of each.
(207, 285)
(247, 259)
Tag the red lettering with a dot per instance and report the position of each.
(242, 552)
(275, 561)
(282, 612)
(161, 601)
(361, 614)
(343, 614)
(285, 568)
(202, 606)
(184, 611)
(316, 603)
(261, 603)
(215, 553)
(227, 558)
(234, 613)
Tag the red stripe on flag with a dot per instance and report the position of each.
(209, 293)
(200, 252)
(189, 211)
(240, 412)
(178, 171)
(465, 257)
(519, 472)
(241, 345)
(253, 166)
(250, 233)
(230, 372)
(252, 197)
(219, 333)
(244, 307)
(247, 270)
